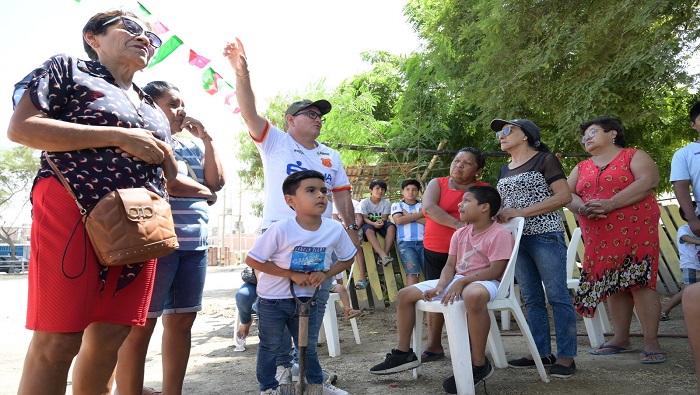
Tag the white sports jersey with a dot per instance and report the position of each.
(685, 165)
(281, 156)
(412, 231)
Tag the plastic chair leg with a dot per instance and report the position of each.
(505, 320)
(460, 353)
(417, 338)
(525, 329)
(495, 343)
(330, 324)
(355, 331)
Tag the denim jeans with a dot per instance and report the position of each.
(179, 283)
(542, 260)
(274, 316)
(245, 299)
(411, 252)
(285, 356)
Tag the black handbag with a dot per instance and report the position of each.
(248, 276)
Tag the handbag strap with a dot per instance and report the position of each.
(63, 180)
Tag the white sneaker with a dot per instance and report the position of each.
(330, 389)
(240, 344)
(283, 375)
(270, 391)
(328, 376)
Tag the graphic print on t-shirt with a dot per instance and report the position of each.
(471, 254)
(308, 259)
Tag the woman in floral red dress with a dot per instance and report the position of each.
(613, 194)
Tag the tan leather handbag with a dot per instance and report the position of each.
(127, 225)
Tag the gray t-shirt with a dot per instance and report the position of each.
(375, 211)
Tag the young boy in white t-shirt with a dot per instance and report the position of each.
(375, 214)
(478, 256)
(295, 250)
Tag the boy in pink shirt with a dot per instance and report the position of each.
(478, 256)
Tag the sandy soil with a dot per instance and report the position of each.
(215, 369)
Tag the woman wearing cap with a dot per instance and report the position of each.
(533, 186)
(103, 133)
(613, 194)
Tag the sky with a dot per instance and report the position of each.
(290, 45)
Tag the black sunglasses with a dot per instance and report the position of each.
(135, 29)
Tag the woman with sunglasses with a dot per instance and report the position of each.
(533, 186)
(103, 133)
(613, 194)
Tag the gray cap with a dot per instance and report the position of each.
(528, 127)
(323, 105)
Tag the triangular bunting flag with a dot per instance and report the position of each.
(209, 81)
(143, 9)
(165, 50)
(230, 105)
(159, 28)
(198, 60)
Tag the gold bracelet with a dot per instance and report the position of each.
(242, 76)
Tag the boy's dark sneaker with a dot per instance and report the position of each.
(561, 371)
(530, 363)
(397, 361)
(480, 373)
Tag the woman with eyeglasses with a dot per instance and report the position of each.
(533, 185)
(103, 133)
(613, 194)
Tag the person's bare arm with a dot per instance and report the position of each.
(576, 203)
(404, 217)
(343, 202)
(270, 268)
(30, 127)
(682, 191)
(235, 53)
(493, 272)
(431, 208)
(690, 240)
(214, 176)
(184, 186)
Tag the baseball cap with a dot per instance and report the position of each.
(526, 125)
(323, 105)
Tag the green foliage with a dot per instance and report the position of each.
(561, 63)
(18, 166)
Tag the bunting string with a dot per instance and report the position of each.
(212, 82)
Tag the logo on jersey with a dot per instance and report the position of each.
(326, 162)
(308, 259)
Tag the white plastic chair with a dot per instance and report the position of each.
(330, 324)
(456, 322)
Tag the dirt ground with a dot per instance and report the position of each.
(215, 369)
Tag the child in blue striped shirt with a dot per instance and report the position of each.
(410, 224)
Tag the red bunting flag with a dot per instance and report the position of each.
(198, 60)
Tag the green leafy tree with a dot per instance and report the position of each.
(559, 63)
(18, 166)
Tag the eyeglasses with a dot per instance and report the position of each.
(135, 29)
(506, 131)
(590, 134)
(312, 115)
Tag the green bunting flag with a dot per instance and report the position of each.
(143, 9)
(165, 50)
(209, 81)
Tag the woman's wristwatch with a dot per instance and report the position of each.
(352, 227)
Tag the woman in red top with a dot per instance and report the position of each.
(440, 200)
